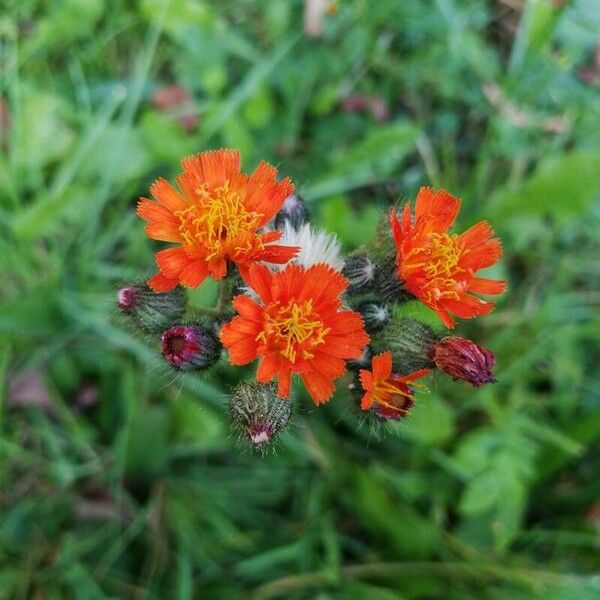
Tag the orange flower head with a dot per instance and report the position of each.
(438, 267)
(216, 216)
(390, 394)
(297, 325)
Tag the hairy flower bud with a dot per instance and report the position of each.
(464, 359)
(375, 315)
(387, 286)
(258, 414)
(410, 342)
(293, 211)
(150, 311)
(359, 270)
(190, 347)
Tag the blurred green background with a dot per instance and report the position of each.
(119, 480)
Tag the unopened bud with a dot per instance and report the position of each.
(375, 315)
(359, 270)
(388, 287)
(190, 347)
(293, 211)
(464, 359)
(410, 342)
(150, 311)
(258, 414)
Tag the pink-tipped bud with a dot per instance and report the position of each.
(127, 298)
(260, 433)
(258, 414)
(464, 359)
(150, 311)
(189, 347)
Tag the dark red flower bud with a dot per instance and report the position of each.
(464, 359)
(189, 347)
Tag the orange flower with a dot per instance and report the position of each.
(391, 393)
(215, 217)
(297, 326)
(439, 268)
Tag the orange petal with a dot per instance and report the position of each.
(327, 365)
(482, 256)
(260, 279)
(397, 233)
(279, 254)
(247, 308)
(218, 268)
(382, 366)
(319, 387)
(444, 315)
(367, 401)
(194, 274)
(482, 285)
(213, 167)
(167, 195)
(268, 367)
(171, 261)
(152, 211)
(479, 233)
(284, 381)
(366, 379)
(160, 284)
(415, 375)
(165, 231)
(437, 210)
(468, 307)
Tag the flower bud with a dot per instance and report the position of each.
(258, 414)
(190, 347)
(388, 287)
(410, 342)
(293, 211)
(464, 359)
(359, 270)
(150, 311)
(375, 315)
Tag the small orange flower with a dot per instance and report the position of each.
(298, 326)
(391, 393)
(216, 217)
(439, 268)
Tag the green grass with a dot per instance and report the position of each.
(119, 481)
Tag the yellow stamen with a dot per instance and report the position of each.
(294, 328)
(219, 221)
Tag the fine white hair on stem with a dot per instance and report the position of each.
(316, 246)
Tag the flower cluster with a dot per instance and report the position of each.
(290, 301)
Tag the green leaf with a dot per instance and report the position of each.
(481, 494)
(372, 160)
(562, 187)
(431, 421)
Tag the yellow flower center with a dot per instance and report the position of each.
(219, 221)
(443, 255)
(294, 329)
